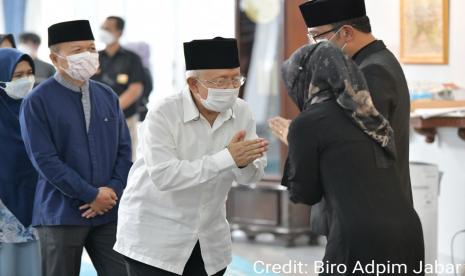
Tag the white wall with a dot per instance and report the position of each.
(163, 24)
(448, 151)
(385, 19)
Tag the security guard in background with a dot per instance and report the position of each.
(122, 70)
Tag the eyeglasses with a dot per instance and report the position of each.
(225, 82)
(317, 38)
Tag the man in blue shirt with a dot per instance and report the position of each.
(78, 141)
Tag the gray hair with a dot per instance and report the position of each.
(54, 48)
(193, 73)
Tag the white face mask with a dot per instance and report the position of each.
(107, 37)
(82, 66)
(220, 100)
(18, 89)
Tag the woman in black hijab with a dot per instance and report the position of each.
(342, 149)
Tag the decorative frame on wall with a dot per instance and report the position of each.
(424, 31)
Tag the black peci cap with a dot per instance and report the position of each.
(69, 31)
(216, 53)
(323, 12)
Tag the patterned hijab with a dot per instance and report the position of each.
(318, 72)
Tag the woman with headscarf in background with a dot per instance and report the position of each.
(19, 248)
(342, 149)
(7, 41)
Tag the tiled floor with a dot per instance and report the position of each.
(251, 258)
(265, 250)
(272, 252)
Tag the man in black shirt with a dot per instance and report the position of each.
(122, 70)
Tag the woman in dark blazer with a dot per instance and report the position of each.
(342, 149)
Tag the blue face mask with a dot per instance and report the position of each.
(18, 89)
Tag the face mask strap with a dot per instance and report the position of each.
(345, 43)
(60, 56)
(335, 34)
(198, 80)
(344, 46)
(66, 57)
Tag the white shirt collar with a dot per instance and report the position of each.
(191, 112)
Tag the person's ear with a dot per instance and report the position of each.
(347, 33)
(54, 59)
(192, 82)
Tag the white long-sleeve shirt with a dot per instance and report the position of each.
(178, 186)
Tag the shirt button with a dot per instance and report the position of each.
(106, 119)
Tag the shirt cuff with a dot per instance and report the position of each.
(224, 160)
(246, 175)
(117, 186)
(250, 168)
(90, 194)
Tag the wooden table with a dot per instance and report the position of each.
(428, 127)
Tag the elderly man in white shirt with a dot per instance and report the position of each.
(193, 145)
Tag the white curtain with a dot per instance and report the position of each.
(263, 80)
(2, 18)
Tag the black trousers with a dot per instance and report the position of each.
(61, 249)
(194, 267)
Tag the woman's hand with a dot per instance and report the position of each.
(280, 128)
